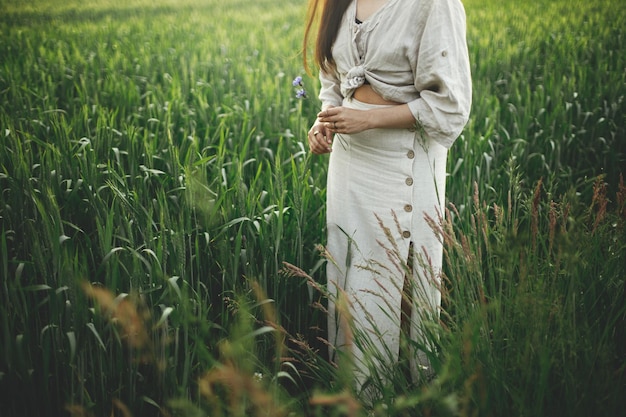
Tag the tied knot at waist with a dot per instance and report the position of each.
(354, 79)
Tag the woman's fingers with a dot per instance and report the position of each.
(344, 120)
(332, 118)
(326, 116)
(321, 134)
(319, 139)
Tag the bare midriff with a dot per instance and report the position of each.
(366, 94)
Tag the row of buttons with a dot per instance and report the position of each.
(409, 181)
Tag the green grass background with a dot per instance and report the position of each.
(157, 148)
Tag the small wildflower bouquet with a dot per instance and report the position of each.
(299, 86)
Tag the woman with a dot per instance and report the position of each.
(395, 93)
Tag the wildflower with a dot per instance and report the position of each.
(300, 91)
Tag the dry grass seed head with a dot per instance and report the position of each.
(535, 213)
(240, 389)
(553, 215)
(124, 313)
(599, 199)
(621, 198)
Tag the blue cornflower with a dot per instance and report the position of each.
(300, 92)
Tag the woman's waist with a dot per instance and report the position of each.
(366, 94)
(380, 143)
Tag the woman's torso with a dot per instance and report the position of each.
(375, 59)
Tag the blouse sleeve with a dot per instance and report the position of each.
(442, 74)
(330, 90)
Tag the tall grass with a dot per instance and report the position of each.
(548, 83)
(536, 302)
(160, 216)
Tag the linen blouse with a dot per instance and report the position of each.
(409, 51)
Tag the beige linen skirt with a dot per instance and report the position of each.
(382, 184)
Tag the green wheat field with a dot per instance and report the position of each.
(162, 223)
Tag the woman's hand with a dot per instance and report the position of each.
(344, 120)
(341, 119)
(335, 120)
(320, 138)
(349, 121)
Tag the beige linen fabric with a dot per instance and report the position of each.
(379, 178)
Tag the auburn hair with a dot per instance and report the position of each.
(327, 15)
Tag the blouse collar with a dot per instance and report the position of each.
(371, 22)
